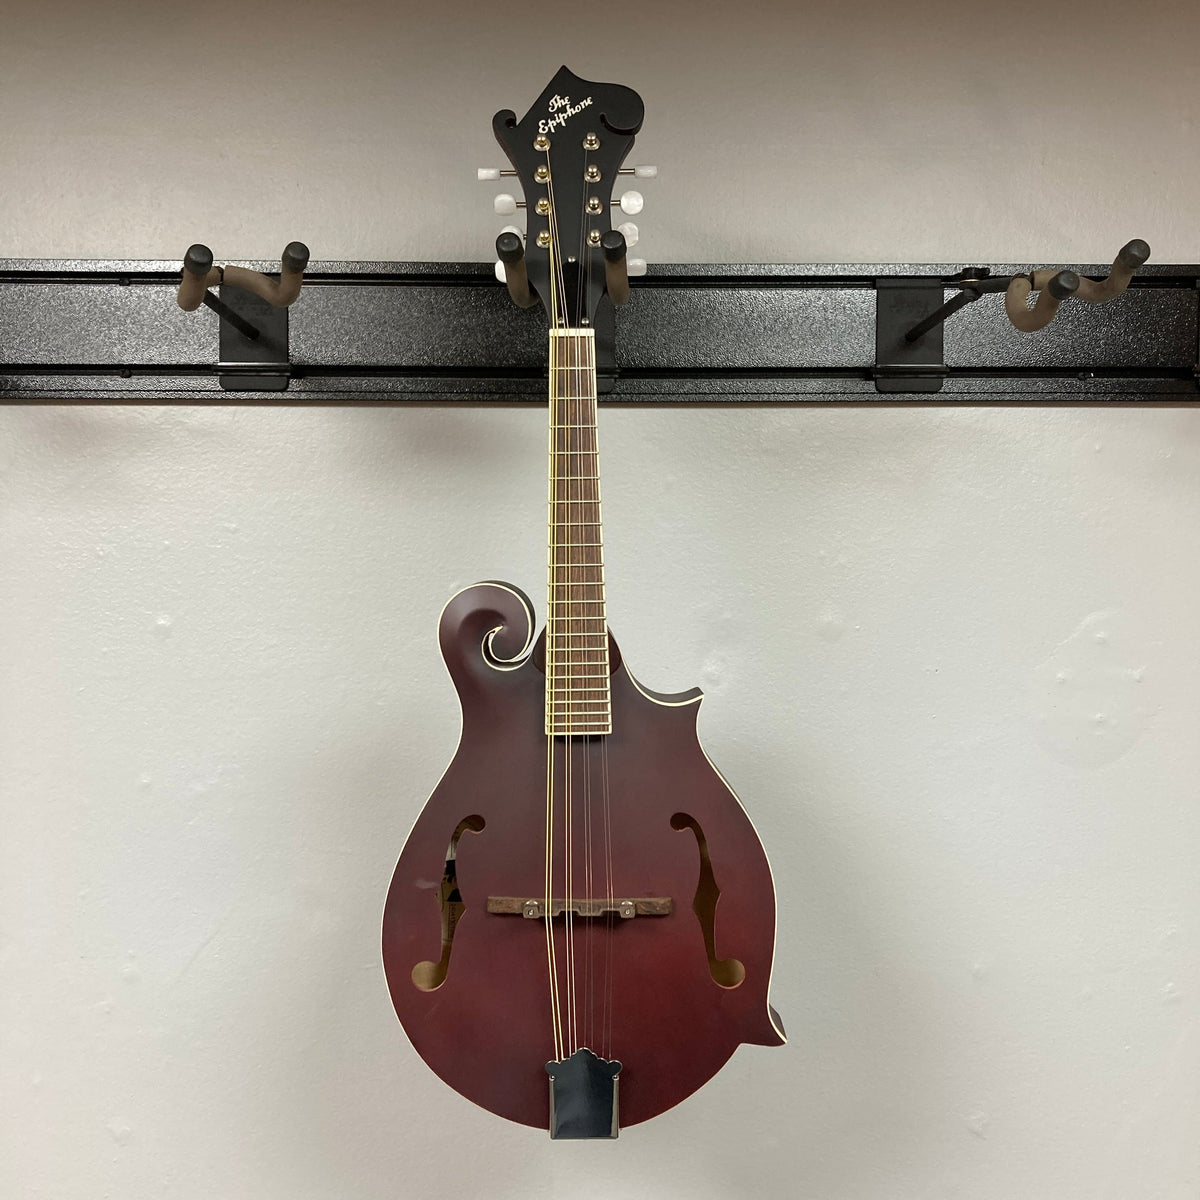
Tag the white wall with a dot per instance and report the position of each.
(950, 653)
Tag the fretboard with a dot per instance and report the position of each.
(578, 700)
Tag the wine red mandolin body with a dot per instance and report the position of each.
(670, 996)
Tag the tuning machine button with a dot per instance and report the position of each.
(491, 174)
(629, 231)
(631, 203)
(505, 204)
(646, 172)
(635, 266)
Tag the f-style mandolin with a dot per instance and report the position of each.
(580, 928)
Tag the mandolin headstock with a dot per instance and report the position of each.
(566, 152)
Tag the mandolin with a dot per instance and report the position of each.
(580, 928)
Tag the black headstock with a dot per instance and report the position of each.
(566, 151)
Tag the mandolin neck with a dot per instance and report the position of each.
(578, 699)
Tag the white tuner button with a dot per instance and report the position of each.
(500, 275)
(629, 231)
(635, 266)
(505, 204)
(513, 229)
(646, 172)
(487, 174)
(631, 203)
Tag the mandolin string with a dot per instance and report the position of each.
(583, 291)
(551, 668)
(606, 1034)
(610, 919)
(572, 435)
(551, 966)
(560, 319)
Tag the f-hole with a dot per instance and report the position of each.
(728, 972)
(430, 975)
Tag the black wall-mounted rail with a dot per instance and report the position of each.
(110, 332)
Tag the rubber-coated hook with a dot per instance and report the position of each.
(199, 275)
(616, 271)
(1055, 286)
(512, 254)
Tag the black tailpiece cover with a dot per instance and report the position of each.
(583, 1096)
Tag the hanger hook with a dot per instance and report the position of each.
(1055, 286)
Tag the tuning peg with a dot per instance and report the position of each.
(646, 172)
(629, 231)
(501, 274)
(631, 203)
(635, 266)
(505, 204)
(513, 229)
(491, 174)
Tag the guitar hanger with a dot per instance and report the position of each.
(199, 275)
(909, 357)
(510, 269)
(1060, 285)
(254, 347)
(1053, 287)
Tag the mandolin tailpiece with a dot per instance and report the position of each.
(583, 1096)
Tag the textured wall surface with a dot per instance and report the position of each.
(950, 654)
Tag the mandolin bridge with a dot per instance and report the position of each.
(627, 909)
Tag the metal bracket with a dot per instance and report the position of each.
(901, 302)
(259, 364)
